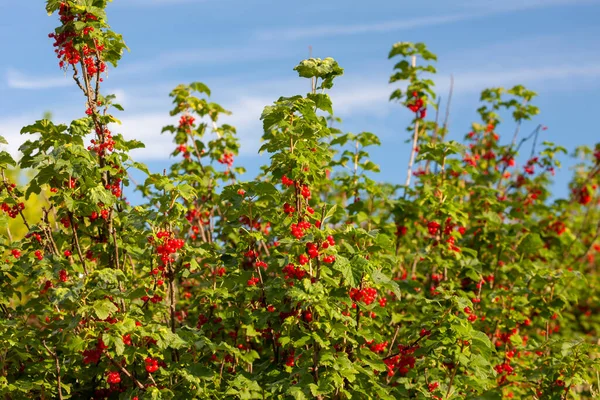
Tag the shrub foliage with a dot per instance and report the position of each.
(313, 280)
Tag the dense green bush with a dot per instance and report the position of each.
(312, 281)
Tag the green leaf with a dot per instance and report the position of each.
(531, 243)
(342, 264)
(200, 87)
(104, 308)
(327, 69)
(6, 159)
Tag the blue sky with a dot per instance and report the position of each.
(245, 50)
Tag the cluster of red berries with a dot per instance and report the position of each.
(508, 160)
(377, 347)
(182, 148)
(202, 320)
(471, 160)
(529, 168)
(489, 155)
(63, 276)
(401, 230)
(154, 299)
(366, 295)
(127, 339)
(92, 66)
(103, 214)
(113, 378)
(558, 227)
(290, 359)
(330, 259)
(504, 337)
(167, 246)
(255, 223)
(227, 159)
(14, 210)
(330, 242)
(307, 316)
(298, 230)
(471, 316)
(287, 181)
(115, 187)
(92, 356)
(253, 281)
(251, 254)
(403, 362)
(504, 370)
(36, 236)
(186, 122)
(104, 145)
(47, 286)
(305, 192)
(64, 42)
(65, 52)
(291, 271)
(433, 227)
(151, 365)
(303, 259)
(261, 264)
(202, 216)
(416, 105)
(289, 209)
(583, 195)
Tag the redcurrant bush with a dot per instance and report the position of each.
(314, 280)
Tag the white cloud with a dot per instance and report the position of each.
(17, 80)
(137, 3)
(352, 96)
(360, 96)
(146, 127)
(10, 128)
(354, 29)
(516, 5)
(469, 81)
(121, 97)
(476, 9)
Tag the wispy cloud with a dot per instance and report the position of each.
(147, 126)
(477, 80)
(9, 129)
(138, 3)
(208, 56)
(355, 29)
(18, 80)
(353, 96)
(477, 9)
(516, 5)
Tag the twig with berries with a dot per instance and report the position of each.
(137, 383)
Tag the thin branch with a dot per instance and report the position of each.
(9, 190)
(413, 150)
(77, 246)
(447, 117)
(53, 354)
(123, 370)
(393, 340)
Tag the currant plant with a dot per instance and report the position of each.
(314, 280)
